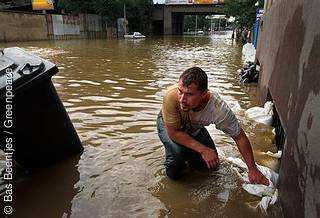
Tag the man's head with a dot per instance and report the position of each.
(192, 89)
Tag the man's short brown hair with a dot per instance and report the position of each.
(195, 75)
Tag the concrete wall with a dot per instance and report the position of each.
(65, 25)
(16, 26)
(157, 19)
(76, 26)
(157, 12)
(289, 54)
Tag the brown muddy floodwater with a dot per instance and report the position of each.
(112, 90)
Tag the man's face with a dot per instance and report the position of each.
(190, 98)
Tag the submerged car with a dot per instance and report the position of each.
(135, 35)
(200, 32)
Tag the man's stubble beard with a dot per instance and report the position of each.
(185, 109)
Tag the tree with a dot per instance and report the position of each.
(111, 9)
(244, 11)
(75, 6)
(139, 14)
(138, 11)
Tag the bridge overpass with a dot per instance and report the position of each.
(168, 19)
(16, 5)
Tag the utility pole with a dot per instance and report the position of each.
(125, 19)
(196, 24)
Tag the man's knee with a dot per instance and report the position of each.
(175, 167)
(174, 173)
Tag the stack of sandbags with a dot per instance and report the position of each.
(261, 115)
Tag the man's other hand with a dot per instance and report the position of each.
(256, 177)
(211, 158)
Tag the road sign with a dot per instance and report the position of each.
(42, 5)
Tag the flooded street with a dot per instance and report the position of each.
(112, 90)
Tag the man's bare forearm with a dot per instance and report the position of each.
(244, 146)
(245, 149)
(183, 138)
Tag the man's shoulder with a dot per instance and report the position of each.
(172, 88)
(215, 97)
(171, 91)
(216, 103)
(170, 110)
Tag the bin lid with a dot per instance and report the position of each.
(20, 69)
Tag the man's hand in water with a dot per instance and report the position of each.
(211, 158)
(244, 146)
(256, 177)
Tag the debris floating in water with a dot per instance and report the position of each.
(250, 73)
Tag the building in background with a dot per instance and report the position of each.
(191, 2)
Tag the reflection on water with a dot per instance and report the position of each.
(48, 193)
(112, 90)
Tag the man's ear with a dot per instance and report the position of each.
(204, 93)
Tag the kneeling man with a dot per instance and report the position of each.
(187, 108)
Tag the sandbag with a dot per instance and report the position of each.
(261, 115)
(268, 194)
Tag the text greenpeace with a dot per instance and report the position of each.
(8, 142)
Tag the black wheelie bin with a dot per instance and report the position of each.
(34, 122)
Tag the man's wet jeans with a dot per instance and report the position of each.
(177, 155)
